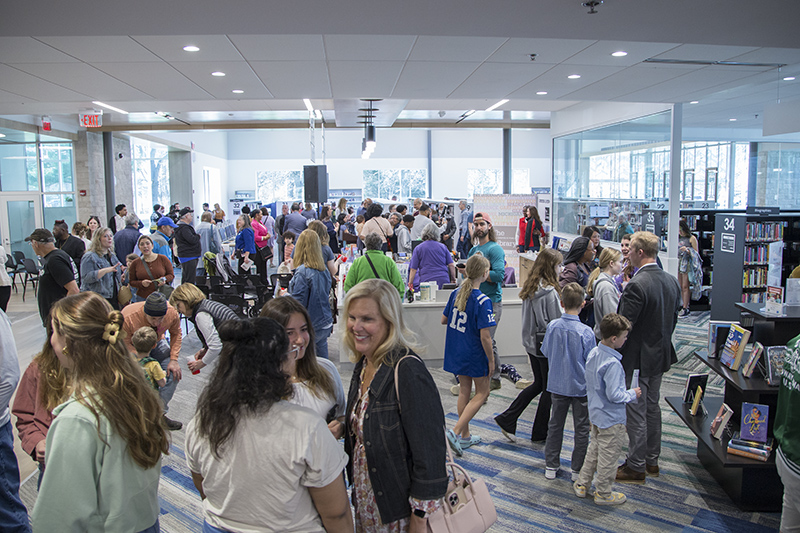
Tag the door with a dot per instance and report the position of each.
(20, 214)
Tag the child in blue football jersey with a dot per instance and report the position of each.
(468, 348)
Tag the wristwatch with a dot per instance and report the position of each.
(420, 513)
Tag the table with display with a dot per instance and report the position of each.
(771, 329)
(752, 485)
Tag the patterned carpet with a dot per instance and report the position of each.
(684, 498)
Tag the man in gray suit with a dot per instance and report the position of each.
(651, 301)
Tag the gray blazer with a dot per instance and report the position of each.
(651, 301)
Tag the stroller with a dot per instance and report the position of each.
(219, 265)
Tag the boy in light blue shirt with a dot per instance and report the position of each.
(605, 385)
(566, 345)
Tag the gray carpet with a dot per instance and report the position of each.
(683, 498)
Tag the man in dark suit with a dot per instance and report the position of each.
(651, 301)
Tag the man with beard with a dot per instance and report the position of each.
(72, 245)
(493, 286)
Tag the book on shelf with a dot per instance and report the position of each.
(774, 300)
(739, 441)
(752, 359)
(774, 364)
(755, 417)
(733, 350)
(692, 382)
(698, 395)
(748, 453)
(717, 333)
(721, 421)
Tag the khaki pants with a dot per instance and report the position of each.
(605, 448)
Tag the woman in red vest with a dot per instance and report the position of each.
(530, 231)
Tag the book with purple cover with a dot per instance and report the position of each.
(754, 422)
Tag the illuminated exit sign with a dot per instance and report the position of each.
(91, 120)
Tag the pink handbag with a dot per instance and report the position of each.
(467, 506)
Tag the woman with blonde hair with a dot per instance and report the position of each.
(245, 243)
(315, 381)
(101, 271)
(541, 303)
(602, 286)
(468, 353)
(104, 447)
(403, 454)
(328, 256)
(311, 286)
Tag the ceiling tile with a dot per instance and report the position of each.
(695, 83)
(497, 80)
(294, 79)
(170, 47)
(280, 47)
(549, 51)
(557, 85)
(8, 97)
(600, 53)
(158, 79)
(99, 49)
(625, 82)
(368, 47)
(788, 56)
(30, 50)
(705, 52)
(238, 75)
(363, 79)
(429, 48)
(431, 79)
(85, 79)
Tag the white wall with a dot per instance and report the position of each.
(588, 115)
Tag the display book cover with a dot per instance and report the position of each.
(720, 421)
(752, 360)
(692, 382)
(733, 350)
(773, 356)
(774, 300)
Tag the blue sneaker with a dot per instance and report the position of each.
(455, 442)
(466, 443)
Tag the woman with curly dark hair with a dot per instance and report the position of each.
(246, 436)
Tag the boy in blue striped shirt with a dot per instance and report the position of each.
(566, 345)
(605, 385)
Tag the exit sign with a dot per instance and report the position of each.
(90, 120)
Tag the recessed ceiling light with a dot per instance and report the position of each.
(574, 76)
(111, 107)
(694, 102)
(731, 120)
(620, 54)
(237, 91)
(789, 78)
(2, 135)
(541, 93)
(191, 48)
(218, 74)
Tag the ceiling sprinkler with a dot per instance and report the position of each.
(592, 4)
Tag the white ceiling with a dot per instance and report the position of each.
(426, 58)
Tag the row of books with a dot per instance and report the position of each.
(753, 297)
(732, 355)
(756, 254)
(754, 277)
(764, 231)
(751, 440)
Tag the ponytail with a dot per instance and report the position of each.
(477, 265)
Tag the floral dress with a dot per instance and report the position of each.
(368, 518)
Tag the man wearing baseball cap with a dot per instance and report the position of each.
(189, 248)
(164, 228)
(155, 312)
(59, 276)
(493, 286)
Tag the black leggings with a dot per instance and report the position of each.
(5, 295)
(508, 419)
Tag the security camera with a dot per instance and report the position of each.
(120, 155)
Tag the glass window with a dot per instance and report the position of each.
(272, 185)
(57, 175)
(403, 183)
(484, 181)
(150, 177)
(18, 167)
(58, 207)
(521, 181)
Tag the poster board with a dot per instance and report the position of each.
(505, 211)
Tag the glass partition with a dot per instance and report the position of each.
(777, 175)
(18, 167)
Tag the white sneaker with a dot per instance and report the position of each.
(550, 473)
(575, 475)
(523, 383)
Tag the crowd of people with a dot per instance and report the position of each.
(92, 406)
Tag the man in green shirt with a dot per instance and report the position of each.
(787, 433)
(374, 264)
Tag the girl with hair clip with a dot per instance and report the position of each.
(315, 381)
(311, 286)
(541, 303)
(602, 288)
(43, 387)
(246, 437)
(468, 348)
(105, 444)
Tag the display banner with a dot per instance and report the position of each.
(505, 211)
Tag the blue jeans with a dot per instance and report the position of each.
(161, 354)
(321, 346)
(155, 528)
(13, 514)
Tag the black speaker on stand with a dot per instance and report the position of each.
(315, 181)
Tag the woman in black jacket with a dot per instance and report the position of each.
(396, 445)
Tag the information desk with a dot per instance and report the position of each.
(773, 330)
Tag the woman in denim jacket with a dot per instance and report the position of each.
(396, 448)
(101, 271)
(311, 286)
